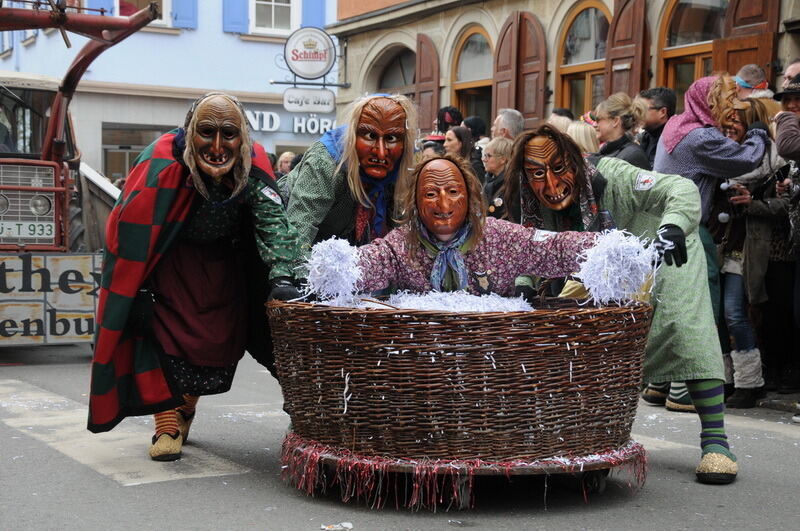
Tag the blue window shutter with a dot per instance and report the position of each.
(234, 16)
(313, 13)
(184, 14)
(108, 5)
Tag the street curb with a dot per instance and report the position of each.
(789, 403)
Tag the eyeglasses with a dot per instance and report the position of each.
(487, 155)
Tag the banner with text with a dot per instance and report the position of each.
(48, 298)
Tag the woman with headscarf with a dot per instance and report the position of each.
(346, 183)
(693, 146)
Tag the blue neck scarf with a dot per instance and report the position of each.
(449, 271)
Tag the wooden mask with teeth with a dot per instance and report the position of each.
(548, 173)
(380, 137)
(217, 138)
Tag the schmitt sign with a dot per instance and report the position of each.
(309, 53)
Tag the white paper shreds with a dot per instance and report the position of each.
(616, 267)
(333, 272)
(458, 301)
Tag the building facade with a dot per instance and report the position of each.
(533, 55)
(144, 86)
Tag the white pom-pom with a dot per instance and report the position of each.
(617, 266)
(333, 272)
(724, 185)
(723, 217)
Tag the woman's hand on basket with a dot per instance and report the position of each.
(283, 289)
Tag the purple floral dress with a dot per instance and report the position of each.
(506, 251)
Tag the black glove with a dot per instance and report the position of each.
(283, 289)
(758, 125)
(671, 244)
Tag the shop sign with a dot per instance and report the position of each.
(48, 298)
(309, 100)
(309, 53)
(271, 122)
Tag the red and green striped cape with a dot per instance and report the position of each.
(127, 378)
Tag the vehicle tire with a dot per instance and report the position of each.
(77, 243)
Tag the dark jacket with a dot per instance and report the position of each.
(624, 148)
(493, 193)
(476, 161)
(787, 136)
(761, 215)
(648, 141)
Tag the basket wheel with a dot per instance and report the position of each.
(594, 481)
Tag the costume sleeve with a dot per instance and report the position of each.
(311, 191)
(788, 136)
(674, 198)
(276, 239)
(543, 253)
(721, 157)
(379, 262)
(771, 207)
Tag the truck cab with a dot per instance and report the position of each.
(53, 208)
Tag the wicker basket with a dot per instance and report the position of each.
(499, 387)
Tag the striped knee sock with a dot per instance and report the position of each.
(708, 397)
(189, 405)
(166, 422)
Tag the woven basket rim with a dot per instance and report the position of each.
(581, 307)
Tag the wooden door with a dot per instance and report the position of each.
(750, 36)
(426, 94)
(531, 70)
(732, 53)
(626, 49)
(520, 68)
(505, 60)
(752, 17)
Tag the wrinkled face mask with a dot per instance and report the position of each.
(550, 178)
(380, 137)
(217, 138)
(442, 199)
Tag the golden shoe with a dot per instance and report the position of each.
(716, 469)
(184, 423)
(167, 447)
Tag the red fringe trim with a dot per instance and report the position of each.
(369, 478)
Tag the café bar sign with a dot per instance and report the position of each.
(309, 100)
(309, 53)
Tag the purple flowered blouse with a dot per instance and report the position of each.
(506, 251)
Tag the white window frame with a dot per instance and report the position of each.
(294, 20)
(166, 14)
(5, 43)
